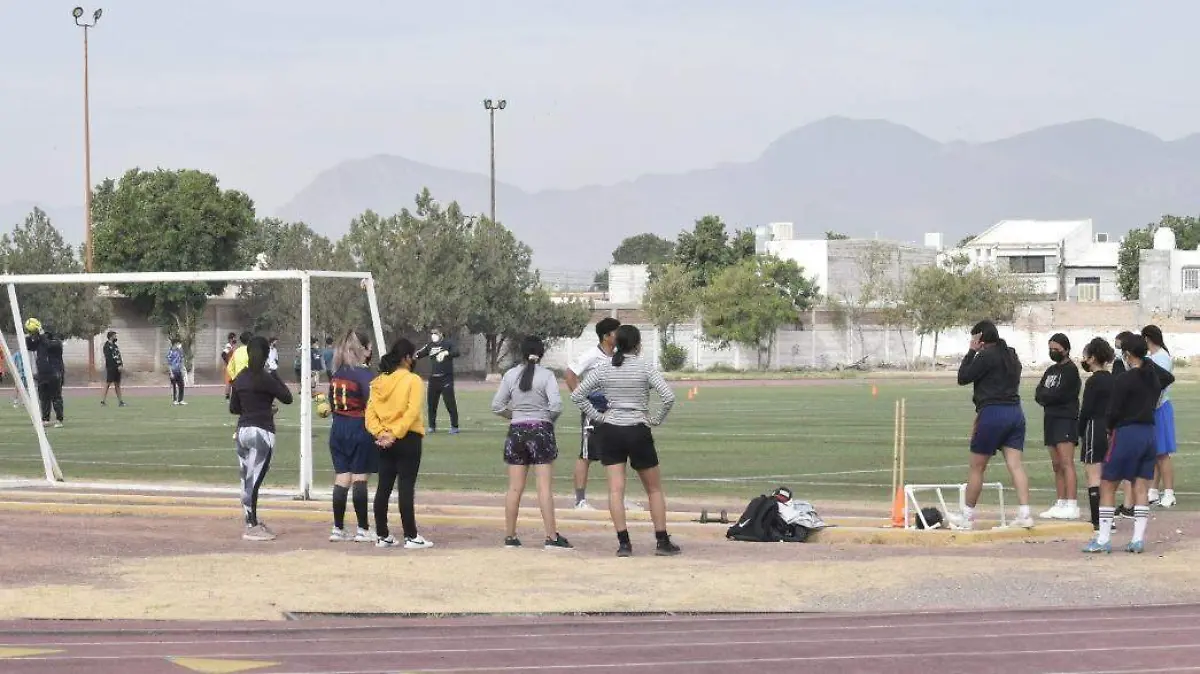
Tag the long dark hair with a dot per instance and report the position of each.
(1099, 350)
(1154, 335)
(257, 350)
(532, 350)
(990, 334)
(629, 338)
(391, 361)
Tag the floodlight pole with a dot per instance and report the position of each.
(77, 13)
(492, 106)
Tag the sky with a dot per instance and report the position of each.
(267, 94)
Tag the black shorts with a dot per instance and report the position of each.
(1057, 429)
(634, 444)
(1093, 444)
(113, 375)
(589, 441)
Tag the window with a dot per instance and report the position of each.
(1087, 288)
(1191, 279)
(1027, 264)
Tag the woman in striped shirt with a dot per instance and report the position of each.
(623, 422)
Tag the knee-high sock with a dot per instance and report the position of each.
(339, 505)
(1141, 517)
(1094, 502)
(360, 504)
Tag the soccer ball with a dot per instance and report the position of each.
(32, 325)
(320, 397)
(324, 410)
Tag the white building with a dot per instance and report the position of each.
(1169, 278)
(1063, 259)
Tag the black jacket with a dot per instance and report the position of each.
(1135, 395)
(1058, 391)
(995, 373)
(1096, 394)
(445, 366)
(47, 353)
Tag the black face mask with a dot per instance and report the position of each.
(1086, 367)
(1057, 356)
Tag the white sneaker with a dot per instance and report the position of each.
(583, 505)
(258, 532)
(1153, 497)
(1167, 501)
(337, 535)
(417, 543)
(389, 542)
(364, 536)
(175, 402)
(1069, 513)
(1019, 522)
(631, 506)
(182, 402)
(960, 522)
(1054, 513)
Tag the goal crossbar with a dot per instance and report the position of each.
(32, 404)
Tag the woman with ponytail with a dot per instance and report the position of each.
(624, 429)
(528, 396)
(993, 369)
(351, 445)
(1132, 451)
(1164, 422)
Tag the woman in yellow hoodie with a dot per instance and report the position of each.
(395, 417)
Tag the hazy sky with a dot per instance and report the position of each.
(268, 93)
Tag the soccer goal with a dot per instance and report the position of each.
(53, 471)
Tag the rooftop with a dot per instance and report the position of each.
(1097, 255)
(1029, 231)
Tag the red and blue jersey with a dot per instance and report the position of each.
(349, 390)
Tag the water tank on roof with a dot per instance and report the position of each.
(1164, 239)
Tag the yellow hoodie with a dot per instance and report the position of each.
(396, 405)
(238, 360)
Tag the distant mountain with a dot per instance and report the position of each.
(860, 177)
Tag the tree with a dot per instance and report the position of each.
(965, 240)
(70, 309)
(875, 287)
(170, 221)
(708, 249)
(743, 306)
(788, 279)
(643, 249)
(831, 235)
(600, 281)
(670, 298)
(1129, 260)
(540, 315)
(503, 282)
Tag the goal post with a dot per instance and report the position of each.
(54, 473)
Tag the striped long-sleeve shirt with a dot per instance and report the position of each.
(627, 389)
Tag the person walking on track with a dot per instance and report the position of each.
(1093, 418)
(528, 397)
(175, 370)
(394, 417)
(441, 353)
(993, 370)
(255, 391)
(114, 366)
(1058, 394)
(1133, 451)
(624, 429)
(351, 445)
(1164, 423)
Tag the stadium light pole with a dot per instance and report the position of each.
(77, 13)
(492, 106)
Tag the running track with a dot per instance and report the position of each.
(1096, 641)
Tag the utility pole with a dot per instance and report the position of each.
(492, 106)
(77, 13)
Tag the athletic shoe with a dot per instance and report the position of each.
(1054, 513)
(1021, 522)
(625, 550)
(1136, 547)
(417, 543)
(175, 402)
(1069, 513)
(59, 424)
(389, 542)
(258, 532)
(104, 403)
(1095, 547)
(666, 549)
(583, 505)
(339, 536)
(1153, 494)
(512, 542)
(122, 404)
(960, 522)
(631, 506)
(1167, 501)
(453, 431)
(1123, 512)
(182, 402)
(558, 543)
(364, 536)
(431, 430)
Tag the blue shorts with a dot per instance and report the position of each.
(1131, 454)
(998, 427)
(352, 447)
(1164, 429)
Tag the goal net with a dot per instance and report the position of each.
(153, 445)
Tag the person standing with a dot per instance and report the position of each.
(1164, 423)
(395, 418)
(113, 368)
(993, 370)
(231, 343)
(273, 355)
(351, 445)
(1093, 418)
(239, 358)
(626, 381)
(528, 396)
(175, 368)
(1133, 451)
(47, 352)
(589, 443)
(255, 390)
(1125, 510)
(441, 353)
(1058, 394)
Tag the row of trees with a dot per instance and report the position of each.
(433, 266)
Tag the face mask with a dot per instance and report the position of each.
(1086, 367)
(1057, 356)
(114, 340)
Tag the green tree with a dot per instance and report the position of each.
(540, 315)
(503, 284)
(600, 281)
(170, 221)
(708, 249)
(788, 279)
(965, 240)
(831, 235)
(1187, 237)
(671, 298)
(741, 306)
(643, 249)
(70, 309)
(874, 287)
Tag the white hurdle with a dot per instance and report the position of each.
(912, 507)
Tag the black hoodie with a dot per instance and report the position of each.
(47, 352)
(995, 372)
(1058, 392)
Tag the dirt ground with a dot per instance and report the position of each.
(199, 568)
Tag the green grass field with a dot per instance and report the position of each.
(827, 441)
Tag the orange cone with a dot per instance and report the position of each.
(690, 396)
(898, 510)
(874, 391)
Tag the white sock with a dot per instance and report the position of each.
(1106, 521)
(1141, 517)
(968, 512)
(1023, 511)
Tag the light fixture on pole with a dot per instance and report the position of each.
(492, 106)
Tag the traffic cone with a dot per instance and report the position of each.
(898, 510)
(874, 391)
(690, 396)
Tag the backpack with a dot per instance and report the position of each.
(762, 523)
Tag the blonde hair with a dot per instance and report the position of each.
(351, 350)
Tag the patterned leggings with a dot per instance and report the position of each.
(254, 449)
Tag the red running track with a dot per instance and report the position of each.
(1096, 641)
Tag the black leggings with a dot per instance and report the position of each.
(398, 464)
(177, 387)
(50, 396)
(442, 387)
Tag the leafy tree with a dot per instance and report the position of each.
(875, 287)
(1187, 237)
(170, 221)
(600, 281)
(503, 283)
(831, 235)
(70, 309)
(742, 306)
(708, 249)
(643, 249)
(540, 315)
(788, 279)
(965, 240)
(670, 299)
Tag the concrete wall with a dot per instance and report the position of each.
(627, 283)
(847, 256)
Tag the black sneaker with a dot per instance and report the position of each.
(558, 543)
(625, 550)
(666, 549)
(512, 542)
(1124, 512)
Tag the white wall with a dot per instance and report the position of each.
(812, 254)
(1181, 259)
(627, 283)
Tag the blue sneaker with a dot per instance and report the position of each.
(1136, 547)
(453, 431)
(1094, 547)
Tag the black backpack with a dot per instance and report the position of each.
(762, 523)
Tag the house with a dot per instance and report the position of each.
(1169, 278)
(1063, 259)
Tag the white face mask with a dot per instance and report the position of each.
(435, 338)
